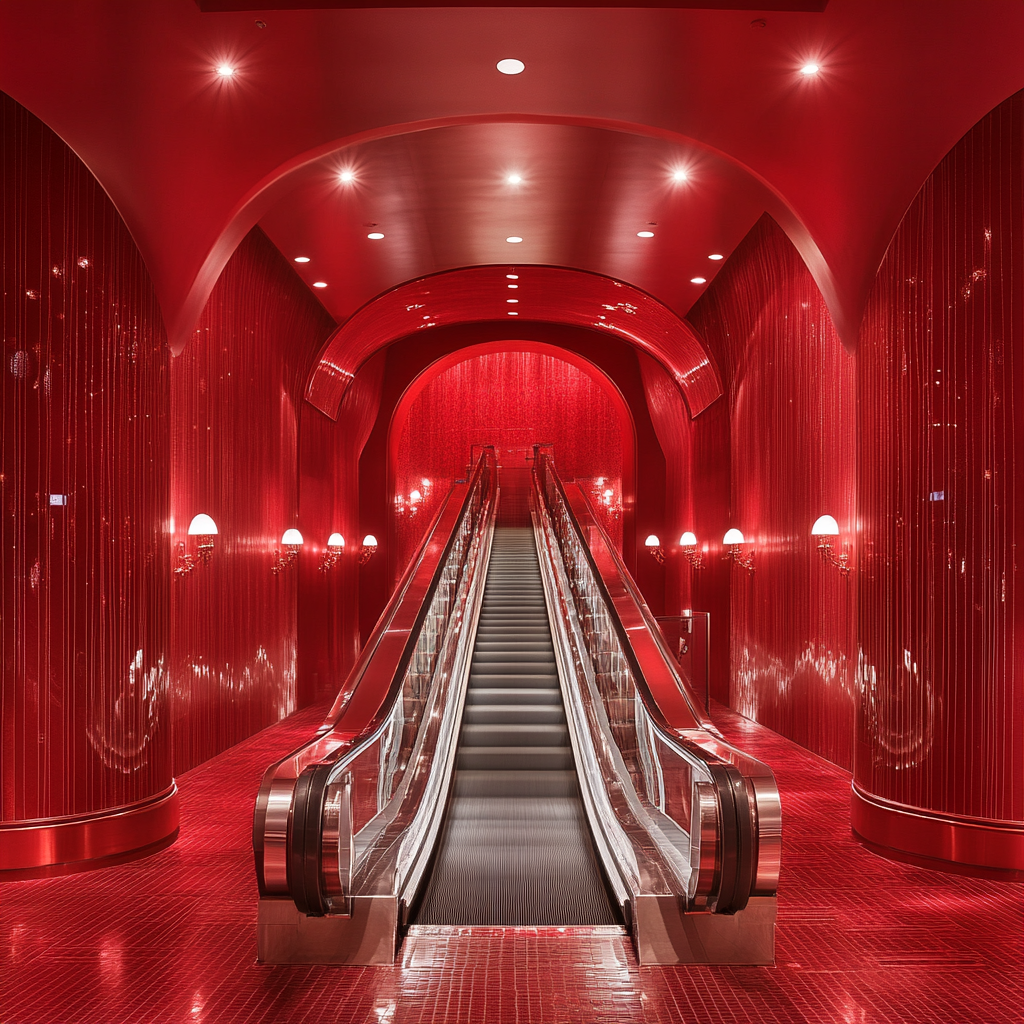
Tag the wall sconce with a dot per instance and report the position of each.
(291, 541)
(204, 529)
(733, 541)
(332, 553)
(825, 527)
(653, 544)
(688, 545)
(369, 549)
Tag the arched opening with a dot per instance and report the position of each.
(512, 394)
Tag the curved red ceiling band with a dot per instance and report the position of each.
(555, 295)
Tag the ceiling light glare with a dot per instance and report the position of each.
(680, 175)
(810, 69)
(513, 239)
(511, 66)
(225, 70)
(645, 234)
(511, 300)
(698, 280)
(301, 259)
(716, 256)
(512, 277)
(514, 179)
(347, 176)
(319, 284)
(512, 312)
(511, 286)
(376, 235)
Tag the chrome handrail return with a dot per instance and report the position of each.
(344, 827)
(688, 828)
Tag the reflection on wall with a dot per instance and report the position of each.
(941, 385)
(511, 399)
(235, 394)
(791, 446)
(83, 477)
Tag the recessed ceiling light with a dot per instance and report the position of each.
(645, 234)
(511, 66)
(679, 175)
(698, 280)
(513, 239)
(810, 69)
(319, 284)
(512, 277)
(511, 286)
(512, 312)
(514, 179)
(347, 176)
(301, 259)
(225, 70)
(376, 235)
(511, 300)
(716, 256)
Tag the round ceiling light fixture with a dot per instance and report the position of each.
(376, 235)
(698, 280)
(514, 179)
(511, 300)
(716, 256)
(347, 176)
(319, 284)
(301, 259)
(514, 239)
(680, 175)
(512, 277)
(645, 234)
(810, 69)
(511, 66)
(225, 70)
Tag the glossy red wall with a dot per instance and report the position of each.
(941, 387)
(512, 399)
(236, 392)
(788, 437)
(84, 553)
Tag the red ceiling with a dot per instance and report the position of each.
(609, 99)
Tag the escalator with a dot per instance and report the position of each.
(516, 847)
(516, 747)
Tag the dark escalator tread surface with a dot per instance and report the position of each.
(516, 848)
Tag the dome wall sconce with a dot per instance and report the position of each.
(204, 529)
(332, 553)
(369, 549)
(688, 546)
(291, 542)
(653, 545)
(734, 541)
(824, 528)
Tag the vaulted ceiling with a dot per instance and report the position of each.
(612, 102)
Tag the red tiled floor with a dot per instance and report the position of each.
(172, 938)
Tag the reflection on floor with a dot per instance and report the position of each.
(172, 937)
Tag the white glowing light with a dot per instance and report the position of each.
(513, 239)
(514, 179)
(292, 538)
(319, 284)
(347, 176)
(732, 537)
(512, 277)
(511, 66)
(688, 540)
(511, 300)
(652, 541)
(679, 175)
(202, 526)
(335, 541)
(376, 235)
(825, 526)
(716, 256)
(645, 234)
(698, 280)
(512, 312)
(301, 259)
(369, 541)
(810, 69)
(225, 70)
(511, 286)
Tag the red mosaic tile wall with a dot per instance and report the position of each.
(236, 394)
(788, 435)
(941, 387)
(83, 479)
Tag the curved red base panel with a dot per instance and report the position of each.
(936, 840)
(79, 842)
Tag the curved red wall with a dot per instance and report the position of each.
(941, 387)
(84, 555)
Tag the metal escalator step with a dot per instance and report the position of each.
(506, 680)
(482, 696)
(517, 667)
(526, 660)
(525, 784)
(515, 758)
(516, 714)
(513, 735)
(510, 646)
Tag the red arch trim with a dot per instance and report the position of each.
(547, 294)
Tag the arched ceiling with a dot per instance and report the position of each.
(192, 159)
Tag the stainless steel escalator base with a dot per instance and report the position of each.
(516, 848)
